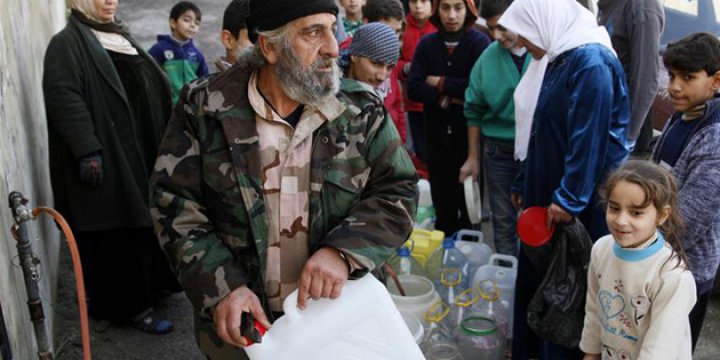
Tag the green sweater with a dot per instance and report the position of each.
(489, 98)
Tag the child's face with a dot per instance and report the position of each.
(505, 37)
(369, 71)
(534, 50)
(630, 224)
(353, 8)
(452, 14)
(233, 44)
(395, 24)
(105, 10)
(688, 90)
(420, 9)
(186, 26)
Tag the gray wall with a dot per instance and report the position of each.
(25, 29)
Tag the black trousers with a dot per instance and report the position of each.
(125, 271)
(697, 316)
(447, 151)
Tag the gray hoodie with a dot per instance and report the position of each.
(635, 27)
(697, 172)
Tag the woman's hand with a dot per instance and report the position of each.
(433, 81)
(557, 215)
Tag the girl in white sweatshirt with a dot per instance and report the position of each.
(640, 291)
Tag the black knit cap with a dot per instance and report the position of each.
(271, 14)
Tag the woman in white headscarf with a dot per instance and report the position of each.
(107, 105)
(571, 112)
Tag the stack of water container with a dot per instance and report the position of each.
(457, 288)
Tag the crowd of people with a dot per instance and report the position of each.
(293, 164)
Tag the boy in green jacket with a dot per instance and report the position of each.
(490, 110)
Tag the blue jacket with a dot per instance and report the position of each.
(578, 134)
(182, 62)
(432, 59)
(697, 172)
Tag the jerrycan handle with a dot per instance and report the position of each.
(509, 258)
(291, 309)
(422, 233)
(474, 235)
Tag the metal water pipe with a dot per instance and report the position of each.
(30, 265)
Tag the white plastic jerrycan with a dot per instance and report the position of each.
(362, 324)
(504, 276)
(472, 244)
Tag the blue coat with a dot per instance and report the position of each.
(578, 134)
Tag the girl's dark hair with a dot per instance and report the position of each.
(492, 8)
(660, 191)
(183, 6)
(377, 10)
(693, 53)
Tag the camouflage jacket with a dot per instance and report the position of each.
(207, 197)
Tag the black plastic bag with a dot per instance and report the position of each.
(557, 310)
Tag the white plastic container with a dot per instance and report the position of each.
(363, 323)
(476, 250)
(504, 277)
(420, 294)
(414, 325)
(425, 199)
(425, 216)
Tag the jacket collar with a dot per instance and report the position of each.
(101, 60)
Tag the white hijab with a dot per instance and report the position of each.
(110, 41)
(555, 26)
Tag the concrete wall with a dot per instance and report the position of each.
(26, 27)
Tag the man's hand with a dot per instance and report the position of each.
(469, 168)
(228, 313)
(433, 81)
(323, 276)
(557, 215)
(516, 199)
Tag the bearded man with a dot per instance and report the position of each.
(276, 175)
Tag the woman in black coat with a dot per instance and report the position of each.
(107, 105)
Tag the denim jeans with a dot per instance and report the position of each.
(500, 171)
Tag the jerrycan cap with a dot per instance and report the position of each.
(260, 329)
(448, 243)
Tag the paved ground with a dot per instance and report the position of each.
(146, 19)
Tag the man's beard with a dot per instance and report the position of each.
(307, 85)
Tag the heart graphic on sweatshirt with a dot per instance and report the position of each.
(612, 305)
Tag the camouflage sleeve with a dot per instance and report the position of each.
(202, 263)
(382, 220)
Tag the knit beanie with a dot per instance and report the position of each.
(271, 14)
(376, 41)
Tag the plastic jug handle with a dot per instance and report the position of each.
(423, 232)
(473, 234)
(290, 307)
(509, 258)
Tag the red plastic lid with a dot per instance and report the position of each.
(532, 226)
